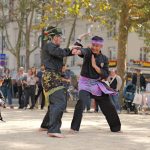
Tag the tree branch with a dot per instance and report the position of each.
(31, 51)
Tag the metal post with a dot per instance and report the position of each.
(2, 41)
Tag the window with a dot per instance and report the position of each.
(37, 17)
(6, 3)
(112, 31)
(37, 61)
(23, 41)
(112, 53)
(11, 10)
(22, 60)
(144, 53)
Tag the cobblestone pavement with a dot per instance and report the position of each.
(20, 132)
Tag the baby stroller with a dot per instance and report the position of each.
(129, 93)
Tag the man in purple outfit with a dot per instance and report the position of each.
(94, 72)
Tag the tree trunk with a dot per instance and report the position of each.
(18, 47)
(42, 46)
(70, 35)
(122, 43)
(27, 60)
(27, 50)
(18, 60)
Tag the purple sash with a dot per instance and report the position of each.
(95, 87)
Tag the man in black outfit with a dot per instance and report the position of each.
(52, 82)
(94, 70)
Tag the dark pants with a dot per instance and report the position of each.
(7, 92)
(87, 105)
(45, 121)
(21, 101)
(30, 92)
(57, 105)
(106, 106)
(40, 90)
(96, 106)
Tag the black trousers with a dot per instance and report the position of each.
(45, 121)
(21, 101)
(30, 92)
(40, 90)
(57, 105)
(106, 106)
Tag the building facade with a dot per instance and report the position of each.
(137, 51)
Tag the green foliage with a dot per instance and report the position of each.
(137, 11)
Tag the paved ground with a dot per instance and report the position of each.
(20, 133)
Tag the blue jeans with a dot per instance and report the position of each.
(115, 101)
(7, 92)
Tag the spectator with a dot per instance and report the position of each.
(115, 82)
(7, 87)
(139, 81)
(66, 76)
(19, 78)
(29, 84)
(40, 87)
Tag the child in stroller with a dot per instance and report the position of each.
(129, 93)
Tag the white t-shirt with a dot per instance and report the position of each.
(148, 87)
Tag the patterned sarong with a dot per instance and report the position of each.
(95, 87)
(52, 82)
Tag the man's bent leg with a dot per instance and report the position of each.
(110, 112)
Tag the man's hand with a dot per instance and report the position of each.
(76, 52)
(95, 66)
(93, 62)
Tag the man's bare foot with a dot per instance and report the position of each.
(57, 135)
(73, 131)
(42, 129)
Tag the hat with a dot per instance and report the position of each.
(56, 31)
(51, 31)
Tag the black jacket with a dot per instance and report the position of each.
(53, 56)
(142, 81)
(87, 69)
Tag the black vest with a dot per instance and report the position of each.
(113, 85)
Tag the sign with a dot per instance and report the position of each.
(2, 56)
(146, 64)
(141, 63)
(2, 59)
(112, 63)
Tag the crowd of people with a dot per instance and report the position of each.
(28, 86)
(23, 86)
